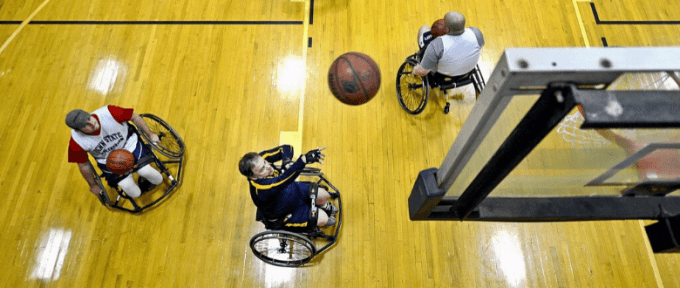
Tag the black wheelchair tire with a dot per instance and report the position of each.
(298, 251)
(407, 88)
(171, 144)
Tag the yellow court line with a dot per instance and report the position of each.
(580, 21)
(23, 24)
(294, 138)
(650, 254)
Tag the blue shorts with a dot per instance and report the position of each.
(113, 179)
(299, 218)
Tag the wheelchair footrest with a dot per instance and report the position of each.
(145, 185)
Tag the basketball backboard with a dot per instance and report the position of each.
(526, 152)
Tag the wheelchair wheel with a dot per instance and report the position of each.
(478, 81)
(282, 248)
(171, 145)
(412, 90)
(103, 196)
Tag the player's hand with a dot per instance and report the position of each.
(314, 156)
(154, 138)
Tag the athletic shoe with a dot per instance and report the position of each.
(332, 210)
(331, 221)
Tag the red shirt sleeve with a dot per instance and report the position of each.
(76, 154)
(120, 114)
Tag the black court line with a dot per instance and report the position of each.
(604, 42)
(598, 21)
(89, 22)
(311, 12)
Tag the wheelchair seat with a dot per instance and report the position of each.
(294, 246)
(171, 147)
(445, 82)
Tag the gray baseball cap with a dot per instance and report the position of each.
(77, 119)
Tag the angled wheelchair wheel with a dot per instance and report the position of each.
(478, 81)
(412, 90)
(103, 196)
(171, 145)
(282, 248)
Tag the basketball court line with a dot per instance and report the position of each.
(650, 254)
(161, 22)
(648, 246)
(580, 21)
(294, 138)
(21, 27)
(625, 22)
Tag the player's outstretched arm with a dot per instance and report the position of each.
(145, 128)
(277, 153)
(88, 174)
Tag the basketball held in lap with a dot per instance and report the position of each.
(120, 161)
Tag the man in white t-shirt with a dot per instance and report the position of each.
(455, 53)
(101, 132)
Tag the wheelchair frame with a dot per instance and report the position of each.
(176, 155)
(288, 239)
(414, 83)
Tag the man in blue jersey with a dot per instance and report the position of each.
(276, 193)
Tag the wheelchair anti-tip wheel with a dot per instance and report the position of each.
(170, 145)
(282, 248)
(478, 81)
(412, 90)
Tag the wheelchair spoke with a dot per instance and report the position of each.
(283, 249)
(166, 141)
(170, 144)
(412, 89)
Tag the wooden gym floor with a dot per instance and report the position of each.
(231, 87)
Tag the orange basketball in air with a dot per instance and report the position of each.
(354, 78)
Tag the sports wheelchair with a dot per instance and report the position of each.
(170, 146)
(295, 247)
(413, 90)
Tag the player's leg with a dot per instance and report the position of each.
(151, 174)
(130, 187)
(147, 171)
(325, 206)
(322, 196)
(324, 219)
(127, 184)
(323, 203)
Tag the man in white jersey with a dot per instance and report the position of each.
(453, 54)
(101, 132)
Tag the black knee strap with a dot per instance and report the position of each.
(314, 211)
